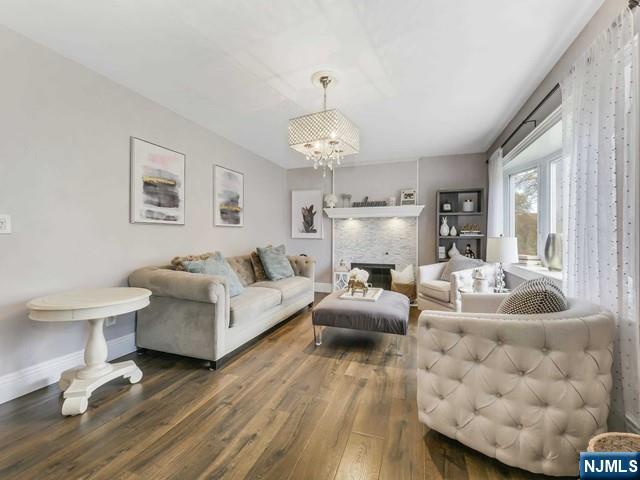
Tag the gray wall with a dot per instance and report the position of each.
(379, 181)
(64, 178)
(598, 23)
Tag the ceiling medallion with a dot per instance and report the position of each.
(325, 137)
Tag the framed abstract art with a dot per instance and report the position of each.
(157, 184)
(228, 197)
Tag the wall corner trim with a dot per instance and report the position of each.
(18, 383)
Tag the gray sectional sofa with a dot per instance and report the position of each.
(192, 314)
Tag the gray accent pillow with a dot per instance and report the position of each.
(275, 262)
(216, 265)
(536, 296)
(457, 263)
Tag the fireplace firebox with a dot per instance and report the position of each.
(379, 273)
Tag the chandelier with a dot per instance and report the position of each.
(325, 137)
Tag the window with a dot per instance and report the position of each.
(532, 176)
(524, 187)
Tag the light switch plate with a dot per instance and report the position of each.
(5, 224)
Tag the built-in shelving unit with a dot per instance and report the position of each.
(375, 212)
(458, 218)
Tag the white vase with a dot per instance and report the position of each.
(444, 228)
(453, 232)
(467, 206)
(453, 251)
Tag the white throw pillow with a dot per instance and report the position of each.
(405, 276)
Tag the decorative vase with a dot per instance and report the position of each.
(453, 232)
(453, 251)
(330, 200)
(444, 228)
(553, 252)
(480, 283)
(467, 206)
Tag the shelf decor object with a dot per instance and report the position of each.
(444, 227)
(502, 250)
(325, 137)
(466, 218)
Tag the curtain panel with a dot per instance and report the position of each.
(600, 197)
(495, 203)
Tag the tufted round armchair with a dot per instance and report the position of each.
(528, 390)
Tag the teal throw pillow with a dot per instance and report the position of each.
(216, 265)
(275, 262)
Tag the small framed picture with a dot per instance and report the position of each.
(408, 196)
(228, 197)
(306, 214)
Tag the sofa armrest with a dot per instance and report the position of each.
(430, 272)
(481, 302)
(165, 282)
(303, 266)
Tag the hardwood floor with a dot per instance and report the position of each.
(280, 410)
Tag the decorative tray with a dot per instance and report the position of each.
(372, 295)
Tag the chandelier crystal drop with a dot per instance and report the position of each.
(325, 137)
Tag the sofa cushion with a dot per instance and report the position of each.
(216, 265)
(243, 268)
(252, 303)
(178, 262)
(289, 287)
(258, 268)
(275, 262)
(438, 289)
(536, 296)
(458, 263)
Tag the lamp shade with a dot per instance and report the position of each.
(502, 250)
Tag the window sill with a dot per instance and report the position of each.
(529, 272)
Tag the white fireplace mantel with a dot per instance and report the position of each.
(375, 212)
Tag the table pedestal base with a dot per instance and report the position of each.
(77, 389)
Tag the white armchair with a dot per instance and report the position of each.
(437, 294)
(528, 390)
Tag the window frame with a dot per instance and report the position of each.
(543, 166)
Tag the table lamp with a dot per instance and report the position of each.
(501, 250)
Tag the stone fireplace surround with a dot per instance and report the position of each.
(389, 241)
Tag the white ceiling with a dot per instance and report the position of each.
(419, 77)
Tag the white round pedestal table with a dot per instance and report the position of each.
(92, 305)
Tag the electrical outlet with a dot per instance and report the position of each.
(5, 224)
(110, 321)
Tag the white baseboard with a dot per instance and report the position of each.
(16, 384)
(323, 287)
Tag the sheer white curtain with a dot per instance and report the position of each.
(600, 197)
(495, 207)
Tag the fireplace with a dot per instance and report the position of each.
(379, 273)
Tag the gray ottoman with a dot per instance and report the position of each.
(390, 314)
